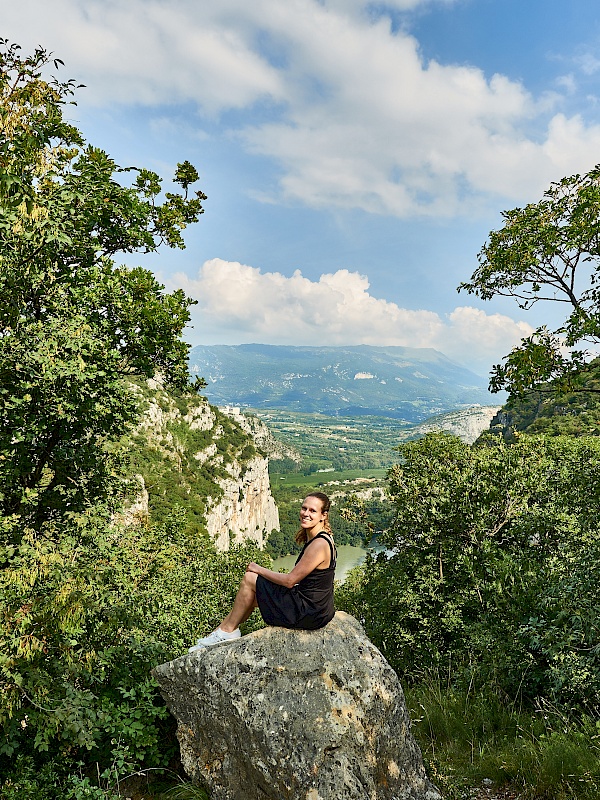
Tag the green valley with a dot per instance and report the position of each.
(359, 444)
(337, 443)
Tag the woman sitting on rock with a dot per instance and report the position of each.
(302, 598)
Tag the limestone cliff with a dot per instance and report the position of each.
(467, 423)
(186, 452)
(247, 509)
(275, 449)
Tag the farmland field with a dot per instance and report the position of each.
(342, 444)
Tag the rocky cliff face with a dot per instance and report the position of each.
(467, 423)
(188, 453)
(295, 715)
(275, 449)
(247, 509)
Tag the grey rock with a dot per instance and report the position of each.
(466, 423)
(295, 715)
(246, 511)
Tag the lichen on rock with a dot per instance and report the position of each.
(300, 715)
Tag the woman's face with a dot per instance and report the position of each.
(311, 513)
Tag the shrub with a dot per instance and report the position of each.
(495, 571)
(85, 616)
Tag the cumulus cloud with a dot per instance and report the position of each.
(150, 52)
(238, 303)
(357, 118)
(395, 135)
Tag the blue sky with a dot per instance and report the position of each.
(355, 155)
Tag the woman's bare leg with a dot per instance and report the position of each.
(244, 604)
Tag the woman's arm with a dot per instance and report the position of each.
(313, 557)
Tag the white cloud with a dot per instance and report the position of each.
(358, 118)
(148, 51)
(567, 82)
(239, 303)
(363, 5)
(484, 338)
(394, 135)
(589, 63)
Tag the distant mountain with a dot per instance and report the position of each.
(400, 382)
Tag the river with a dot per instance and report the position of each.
(348, 557)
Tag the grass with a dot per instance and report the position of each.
(158, 784)
(542, 753)
(185, 791)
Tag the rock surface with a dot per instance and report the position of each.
(275, 449)
(241, 506)
(295, 715)
(468, 423)
(247, 510)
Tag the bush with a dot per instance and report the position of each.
(85, 616)
(495, 572)
(472, 736)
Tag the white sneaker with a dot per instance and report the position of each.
(216, 637)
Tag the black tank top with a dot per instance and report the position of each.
(316, 588)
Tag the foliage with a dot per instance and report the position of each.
(472, 736)
(72, 323)
(548, 250)
(85, 615)
(554, 413)
(86, 607)
(488, 542)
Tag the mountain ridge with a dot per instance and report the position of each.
(400, 382)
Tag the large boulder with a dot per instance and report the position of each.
(300, 715)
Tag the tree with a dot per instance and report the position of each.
(548, 250)
(494, 574)
(73, 324)
(87, 606)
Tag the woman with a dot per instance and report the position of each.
(302, 598)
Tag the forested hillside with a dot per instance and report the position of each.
(181, 448)
(554, 410)
(184, 452)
